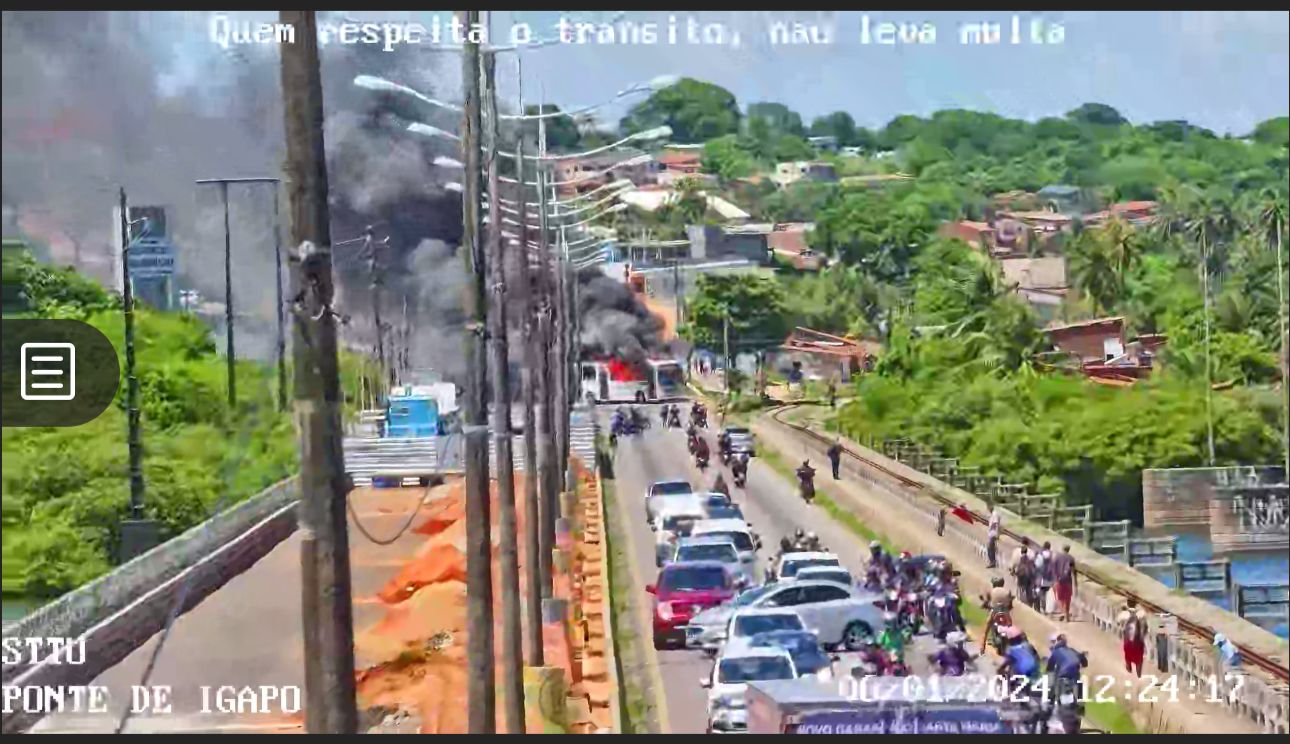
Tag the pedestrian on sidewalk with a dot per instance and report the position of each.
(1043, 576)
(1064, 581)
(835, 458)
(1023, 571)
(992, 539)
(940, 523)
(1132, 624)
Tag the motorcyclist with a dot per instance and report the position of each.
(724, 443)
(1064, 665)
(872, 660)
(1020, 659)
(812, 542)
(674, 416)
(701, 452)
(999, 601)
(638, 420)
(892, 637)
(719, 486)
(785, 545)
(739, 468)
(952, 659)
(896, 666)
(692, 437)
(806, 477)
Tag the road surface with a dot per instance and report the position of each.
(770, 504)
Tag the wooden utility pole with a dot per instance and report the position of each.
(507, 526)
(324, 551)
(546, 447)
(231, 358)
(533, 652)
(281, 312)
(479, 569)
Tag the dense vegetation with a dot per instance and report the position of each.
(964, 367)
(65, 490)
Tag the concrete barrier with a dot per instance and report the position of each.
(119, 611)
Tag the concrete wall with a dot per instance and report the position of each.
(1180, 497)
(117, 612)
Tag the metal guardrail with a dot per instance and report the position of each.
(1258, 699)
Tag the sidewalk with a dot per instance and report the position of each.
(909, 521)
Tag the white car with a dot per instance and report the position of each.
(712, 548)
(735, 530)
(673, 523)
(842, 616)
(790, 563)
(728, 683)
(657, 489)
(746, 623)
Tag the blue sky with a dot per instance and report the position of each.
(1223, 70)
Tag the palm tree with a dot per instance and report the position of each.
(1271, 220)
(1093, 270)
(1210, 222)
(1124, 245)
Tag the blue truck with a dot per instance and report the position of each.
(413, 415)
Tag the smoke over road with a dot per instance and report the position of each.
(146, 100)
(614, 322)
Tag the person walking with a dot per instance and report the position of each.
(1043, 576)
(1063, 567)
(1132, 624)
(940, 522)
(835, 458)
(992, 539)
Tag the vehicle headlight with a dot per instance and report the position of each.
(665, 610)
(825, 674)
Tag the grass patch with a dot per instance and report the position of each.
(638, 711)
(1110, 717)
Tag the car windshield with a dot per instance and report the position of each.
(693, 578)
(713, 552)
(670, 488)
(741, 539)
(752, 595)
(790, 568)
(840, 577)
(679, 523)
(753, 624)
(725, 512)
(754, 668)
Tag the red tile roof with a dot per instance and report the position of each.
(680, 158)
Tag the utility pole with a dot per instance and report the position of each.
(137, 533)
(546, 448)
(534, 653)
(281, 309)
(725, 350)
(230, 358)
(479, 571)
(330, 705)
(559, 352)
(508, 550)
(377, 274)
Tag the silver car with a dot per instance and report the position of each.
(713, 548)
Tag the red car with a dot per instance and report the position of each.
(683, 591)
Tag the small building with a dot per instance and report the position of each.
(1062, 198)
(1041, 282)
(749, 242)
(1101, 351)
(820, 355)
(810, 170)
(824, 143)
(685, 162)
(1136, 213)
(979, 235)
(876, 180)
(788, 241)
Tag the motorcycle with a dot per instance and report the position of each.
(999, 619)
(807, 491)
(701, 460)
(741, 478)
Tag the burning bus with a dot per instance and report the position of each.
(615, 379)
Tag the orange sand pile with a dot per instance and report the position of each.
(426, 597)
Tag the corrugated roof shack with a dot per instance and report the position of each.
(824, 355)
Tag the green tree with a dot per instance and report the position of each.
(1093, 269)
(838, 124)
(1096, 113)
(728, 158)
(561, 131)
(753, 305)
(696, 112)
(782, 119)
(1273, 131)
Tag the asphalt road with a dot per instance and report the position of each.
(770, 504)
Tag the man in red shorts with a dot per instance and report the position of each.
(1132, 623)
(1063, 567)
